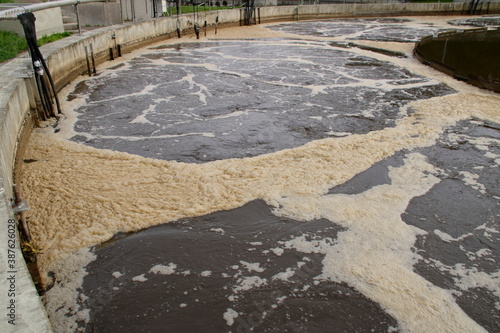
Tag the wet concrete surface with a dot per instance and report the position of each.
(231, 271)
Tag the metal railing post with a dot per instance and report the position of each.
(78, 20)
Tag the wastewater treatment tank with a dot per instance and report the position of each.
(273, 184)
(471, 56)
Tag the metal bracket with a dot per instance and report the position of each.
(20, 207)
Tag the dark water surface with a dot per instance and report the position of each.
(189, 300)
(203, 102)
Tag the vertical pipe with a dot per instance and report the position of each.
(132, 8)
(113, 37)
(93, 59)
(88, 62)
(197, 31)
(78, 20)
(178, 26)
(121, 11)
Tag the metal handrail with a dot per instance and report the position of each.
(11, 14)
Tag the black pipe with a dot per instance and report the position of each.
(43, 113)
(92, 58)
(46, 94)
(197, 31)
(178, 28)
(248, 12)
(42, 73)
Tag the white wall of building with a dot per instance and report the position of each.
(48, 22)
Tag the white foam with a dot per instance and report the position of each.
(469, 278)
(141, 119)
(139, 278)
(203, 92)
(448, 238)
(284, 276)
(277, 251)
(206, 273)
(252, 267)
(249, 282)
(471, 180)
(163, 270)
(374, 255)
(117, 274)
(488, 230)
(220, 230)
(62, 300)
(229, 316)
(483, 252)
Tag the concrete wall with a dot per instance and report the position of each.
(265, 3)
(66, 60)
(368, 9)
(99, 14)
(48, 22)
(139, 10)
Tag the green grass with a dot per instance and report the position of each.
(52, 38)
(6, 1)
(11, 44)
(190, 9)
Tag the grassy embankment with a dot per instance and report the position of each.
(11, 44)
